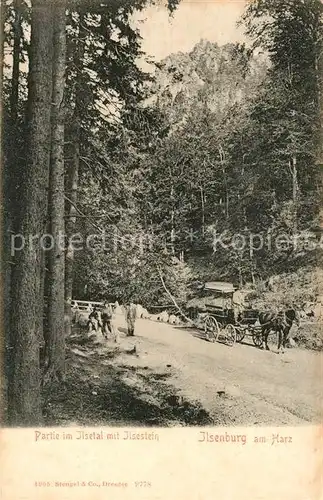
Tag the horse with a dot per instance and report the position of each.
(280, 323)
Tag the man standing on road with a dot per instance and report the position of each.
(130, 313)
(106, 315)
(94, 320)
(237, 304)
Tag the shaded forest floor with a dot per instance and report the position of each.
(166, 376)
(102, 387)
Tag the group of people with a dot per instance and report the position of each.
(105, 319)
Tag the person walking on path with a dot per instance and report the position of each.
(94, 320)
(130, 313)
(106, 315)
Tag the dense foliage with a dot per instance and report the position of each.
(220, 157)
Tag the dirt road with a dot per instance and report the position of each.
(165, 376)
(235, 385)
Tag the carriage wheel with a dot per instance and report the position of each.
(211, 328)
(241, 333)
(257, 338)
(230, 334)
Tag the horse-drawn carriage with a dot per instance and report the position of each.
(218, 318)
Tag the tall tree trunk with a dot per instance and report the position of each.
(172, 214)
(55, 341)
(222, 161)
(240, 274)
(71, 187)
(2, 29)
(4, 283)
(26, 315)
(172, 231)
(11, 171)
(73, 175)
(15, 176)
(319, 70)
(203, 210)
(293, 166)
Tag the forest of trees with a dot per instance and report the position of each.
(219, 140)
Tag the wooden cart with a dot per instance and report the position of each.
(218, 317)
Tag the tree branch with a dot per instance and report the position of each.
(172, 298)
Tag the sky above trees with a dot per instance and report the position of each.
(192, 21)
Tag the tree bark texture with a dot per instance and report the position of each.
(24, 406)
(55, 338)
(11, 172)
(3, 253)
(295, 191)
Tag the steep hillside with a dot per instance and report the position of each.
(210, 75)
